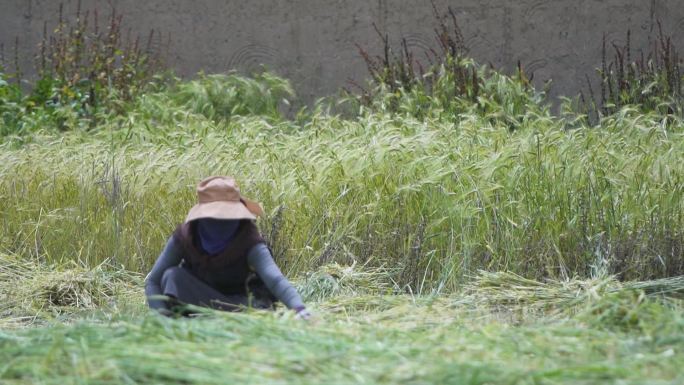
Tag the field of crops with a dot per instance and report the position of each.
(443, 231)
(386, 222)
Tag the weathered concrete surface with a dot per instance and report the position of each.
(312, 42)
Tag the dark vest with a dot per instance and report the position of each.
(227, 272)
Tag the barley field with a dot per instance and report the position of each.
(500, 244)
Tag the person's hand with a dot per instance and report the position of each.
(167, 313)
(303, 314)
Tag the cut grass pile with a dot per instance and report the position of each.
(33, 293)
(335, 280)
(376, 339)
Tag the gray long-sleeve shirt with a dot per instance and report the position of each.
(259, 259)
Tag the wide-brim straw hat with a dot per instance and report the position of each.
(219, 198)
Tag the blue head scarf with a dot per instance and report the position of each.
(216, 234)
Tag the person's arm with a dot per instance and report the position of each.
(260, 259)
(170, 256)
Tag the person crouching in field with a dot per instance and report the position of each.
(218, 259)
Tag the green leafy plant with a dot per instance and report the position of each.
(87, 64)
(449, 85)
(11, 105)
(86, 71)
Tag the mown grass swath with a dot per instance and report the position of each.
(604, 332)
(34, 292)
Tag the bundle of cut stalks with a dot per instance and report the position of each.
(32, 291)
(334, 280)
(671, 287)
(506, 288)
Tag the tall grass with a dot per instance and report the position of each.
(431, 199)
(220, 97)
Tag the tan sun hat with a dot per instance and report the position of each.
(219, 197)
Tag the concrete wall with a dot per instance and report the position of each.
(312, 42)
